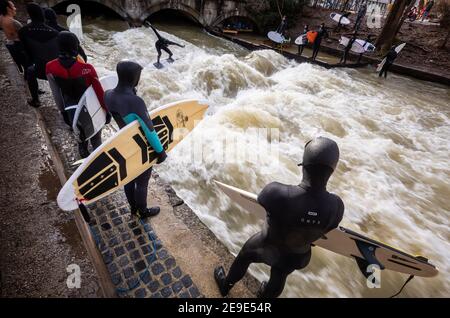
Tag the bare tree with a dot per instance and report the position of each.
(391, 26)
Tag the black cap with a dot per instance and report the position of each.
(321, 151)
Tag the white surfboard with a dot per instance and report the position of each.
(397, 49)
(356, 47)
(336, 17)
(90, 117)
(127, 154)
(345, 242)
(301, 40)
(368, 47)
(277, 37)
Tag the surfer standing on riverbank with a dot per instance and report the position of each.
(11, 28)
(322, 33)
(390, 58)
(297, 216)
(39, 41)
(126, 107)
(302, 46)
(73, 78)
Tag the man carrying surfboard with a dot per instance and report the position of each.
(73, 77)
(348, 48)
(296, 217)
(390, 58)
(322, 33)
(163, 44)
(126, 107)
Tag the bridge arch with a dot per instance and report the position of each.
(178, 6)
(232, 15)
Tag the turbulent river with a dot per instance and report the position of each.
(394, 137)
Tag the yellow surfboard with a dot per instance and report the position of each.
(127, 154)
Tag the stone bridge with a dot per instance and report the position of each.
(205, 12)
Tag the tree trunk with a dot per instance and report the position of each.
(389, 31)
(405, 15)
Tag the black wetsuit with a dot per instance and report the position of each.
(390, 58)
(297, 216)
(51, 21)
(125, 107)
(347, 49)
(40, 43)
(322, 33)
(163, 44)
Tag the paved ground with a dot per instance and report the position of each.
(37, 240)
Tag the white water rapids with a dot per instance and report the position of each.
(394, 138)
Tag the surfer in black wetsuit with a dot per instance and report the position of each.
(322, 33)
(348, 48)
(126, 107)
(368, 39)
(39, 41)
(163, 44)
(345, 15)
(297, 216)
(51, 19)
(390, 58)
(301, 47)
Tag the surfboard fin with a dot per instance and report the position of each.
(368, 252)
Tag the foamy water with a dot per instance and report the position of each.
(393, 135)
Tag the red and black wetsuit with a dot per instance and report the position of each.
(73, 77)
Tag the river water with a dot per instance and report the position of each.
(393, 135)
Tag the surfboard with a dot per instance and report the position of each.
(397, 49)
(336, 17)
(356, 47)
(126, 154)
(277, 37)
(301, 40)
(347, 242)
(90, 117)
(368, 47)
(163, 63)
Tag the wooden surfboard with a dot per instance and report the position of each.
(127, 154)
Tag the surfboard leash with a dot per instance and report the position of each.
(404, 285)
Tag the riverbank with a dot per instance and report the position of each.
(172, 255)
(423, 51)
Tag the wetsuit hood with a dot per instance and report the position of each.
(50, 15)
(129, 74)
(68, 48)
(35, 12)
